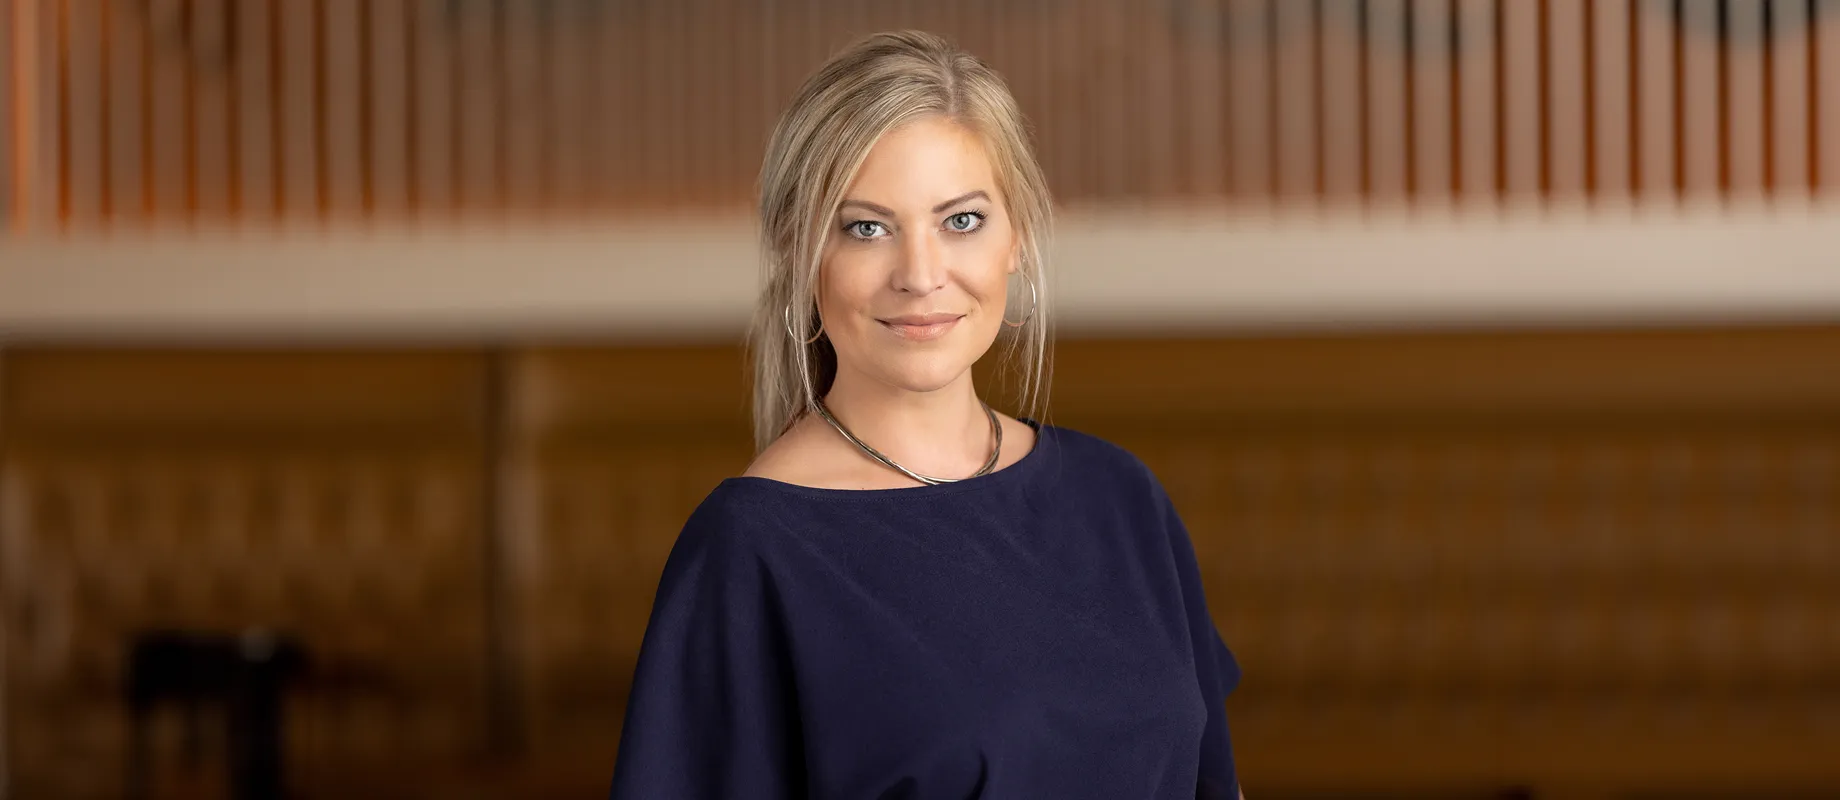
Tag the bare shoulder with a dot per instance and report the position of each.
(781, 454)
(811, 454)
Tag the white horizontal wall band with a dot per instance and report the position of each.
(1126, 272)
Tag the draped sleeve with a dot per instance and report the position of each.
(1216, 668)
(712, 713)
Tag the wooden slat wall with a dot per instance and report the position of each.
(219, 111)
(8, 135)
(332, 496)
(1827, 104)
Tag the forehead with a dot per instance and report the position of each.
(922, 163)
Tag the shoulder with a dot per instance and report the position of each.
(726, 528)
(790, 458)
(1104, 459)
(1094, 470)
(810, 454)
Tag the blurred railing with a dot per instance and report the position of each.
(256, 111)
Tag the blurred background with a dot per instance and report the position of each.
(361, 359)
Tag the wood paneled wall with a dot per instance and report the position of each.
(257, 111)
(1586, 562)
(333, 497)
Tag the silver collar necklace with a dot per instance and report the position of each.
(996, 430)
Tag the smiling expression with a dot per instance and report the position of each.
(915, 271)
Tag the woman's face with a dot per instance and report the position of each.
(915, 269)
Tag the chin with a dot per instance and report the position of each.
(924, 373)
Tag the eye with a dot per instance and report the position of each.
(964, 222)
(865, 229)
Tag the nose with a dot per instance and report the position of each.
(922, 267)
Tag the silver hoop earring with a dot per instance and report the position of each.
(795, 336)
(1034, 300)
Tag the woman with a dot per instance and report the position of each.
(839, 623)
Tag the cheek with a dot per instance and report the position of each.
(848, 280)
(988, 266)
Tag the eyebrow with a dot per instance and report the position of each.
(972, 195)
(882, 210)
(889, 212)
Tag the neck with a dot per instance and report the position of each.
(944, 432)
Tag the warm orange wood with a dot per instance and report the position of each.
(1451, 564)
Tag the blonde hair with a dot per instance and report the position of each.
(870, 88)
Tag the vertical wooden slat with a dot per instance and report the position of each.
(525, 101)
(680, 72)
(1744, 109)
(1250, 101)
(675, 69)
(1296, 92)
(1655, 143)
(342, 104)
(648, 176)
(1565, 60)
(84, 133)
(1040, 103)
(1162, 54)
(566, 115)
(125, 126)
(614, 49)
(1387, 65)
(1099, 132)
(169, 54)
(1117, 171)
(1114, 129)
(1476, 100)
(1157, 52)
(9, 121)
(694, 153)
(670, 177)
(1827, 103)
(211, 87)
(733, 139)
(1523, 118)
(1044, 108)
(1432, 66)
(10, 489)
(1017, 60)
(389, 97)
(1066, 95)
(432, 138)
(1204, 136)
(40, 166)
(1340, 51)
(1700, 131)
(480, 107)
(1048, 113)
(1611, 99)
(1788, 146)
(257, 160)
(298, 123)
(755, 74)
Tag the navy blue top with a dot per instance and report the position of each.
(1032, 633)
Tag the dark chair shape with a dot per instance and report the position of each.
(241, 678)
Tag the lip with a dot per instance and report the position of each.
(922, 327)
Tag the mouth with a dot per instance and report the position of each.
(922, 327)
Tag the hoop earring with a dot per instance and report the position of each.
(1034, 300)
(787, 315)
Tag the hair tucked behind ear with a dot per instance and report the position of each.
(841, 111)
